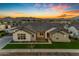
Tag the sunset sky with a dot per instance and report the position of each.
(40, 10)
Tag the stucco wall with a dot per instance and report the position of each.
(40, 36)
(61, 37)
(9, 26)
(3, 27)
(28, 36)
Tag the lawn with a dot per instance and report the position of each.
(54, 45)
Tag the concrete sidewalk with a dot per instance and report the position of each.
(39, 50)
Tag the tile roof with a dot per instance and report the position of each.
(24, 29)
(40, 26)
(59, 30)
(37, 27)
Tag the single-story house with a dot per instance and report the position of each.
(40, 32)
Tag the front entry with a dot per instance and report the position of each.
(41, 36)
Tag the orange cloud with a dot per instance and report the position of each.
(73, 12)
(1, 16)
(18, 14)
(69, 14)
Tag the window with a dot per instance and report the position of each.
(21, 36)
(57, 38)
(41, 33)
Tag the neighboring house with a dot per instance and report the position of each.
(73, 30)
(59, 35)
(4, 27)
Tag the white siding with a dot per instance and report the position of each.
(28, 36)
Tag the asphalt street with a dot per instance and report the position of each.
(4, 41)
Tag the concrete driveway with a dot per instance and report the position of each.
(4, 41)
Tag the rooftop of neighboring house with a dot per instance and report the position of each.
(76, 26)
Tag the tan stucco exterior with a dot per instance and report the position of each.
(59, 37)
(9, 26)
(2, 27)
(29, 37)
(39, 35)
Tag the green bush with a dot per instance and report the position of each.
(2, 33)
